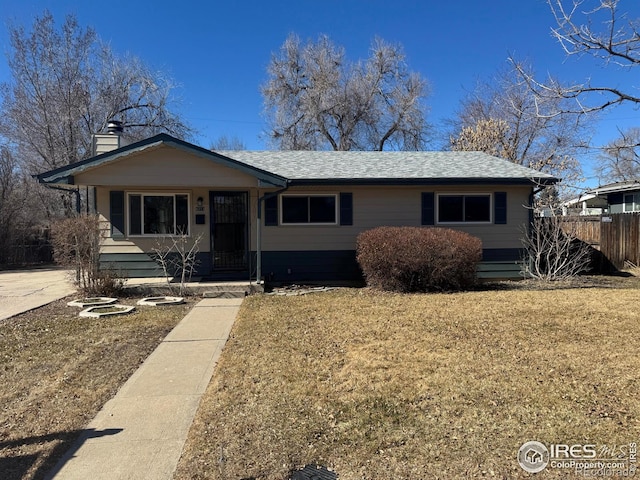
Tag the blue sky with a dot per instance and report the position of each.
(218, 51)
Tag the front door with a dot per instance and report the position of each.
(229, 230)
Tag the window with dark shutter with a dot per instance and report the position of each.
(308, 209)
(464, 208)
(156, 214)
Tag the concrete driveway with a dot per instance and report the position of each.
(23, 290)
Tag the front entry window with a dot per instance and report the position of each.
(158, 214)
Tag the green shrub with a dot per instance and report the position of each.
(412, 259)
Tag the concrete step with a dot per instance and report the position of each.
(199, 289)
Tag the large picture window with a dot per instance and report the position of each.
(475, 208)
(158, 214)
(309, 209)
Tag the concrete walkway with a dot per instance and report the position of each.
(24, 290)
(141, 431)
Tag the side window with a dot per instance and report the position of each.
(466, 208)
(309, 209)
(631, 202)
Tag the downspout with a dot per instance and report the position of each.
(259, 232)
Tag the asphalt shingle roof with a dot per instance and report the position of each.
(309, 167)
(330, 165)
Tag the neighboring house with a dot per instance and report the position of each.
(622, 197)
(585, 205)
(618, 197)
(293, 215)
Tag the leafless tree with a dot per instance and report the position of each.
(66, 85)
(10, 203)
(228, 143)
(620, 158)
(598, 29)
(487, 135)
(502, 117)
(19, 213)
(315, 99)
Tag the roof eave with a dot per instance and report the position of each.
(610, 190)
(58, 180)
(60, 175)
(57, 175)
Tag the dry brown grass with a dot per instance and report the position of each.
(385, 386)
(56, 372)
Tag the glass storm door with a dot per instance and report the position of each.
(229, 230)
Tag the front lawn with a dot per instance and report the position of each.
(56, 372)
(384, 386)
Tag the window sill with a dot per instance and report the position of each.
(308, 225)
(464, 223)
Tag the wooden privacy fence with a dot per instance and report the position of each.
(586, 229)
(620, 239)
(616, 236)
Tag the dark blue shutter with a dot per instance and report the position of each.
(135, 214)
(428, 208)
(271, 211)
(346, 209)
(116, 213)
(500, 208)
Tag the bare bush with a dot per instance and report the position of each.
(553, 252)
(76, 243)
(178, 257)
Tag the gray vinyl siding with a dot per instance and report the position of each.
(396, 206)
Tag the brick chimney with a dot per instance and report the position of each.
(105, 142)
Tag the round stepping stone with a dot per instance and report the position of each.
(159, 301)
(92, 301)
(106, 310)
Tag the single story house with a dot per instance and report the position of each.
(585, 205)
(291, 216)
(620, 197)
